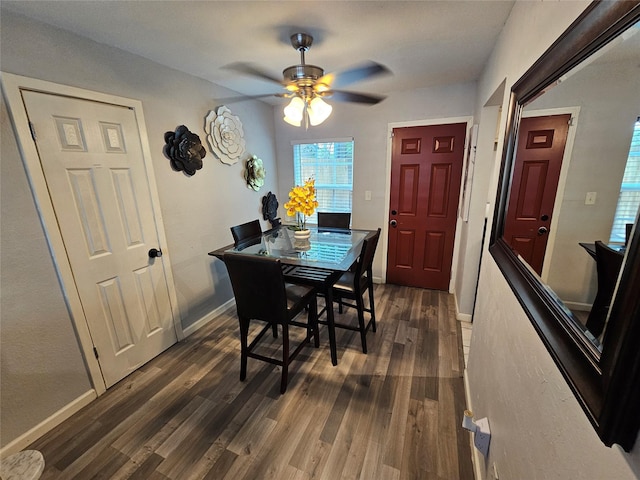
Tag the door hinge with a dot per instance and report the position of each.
(32, 127)
(95, 352)
(571, 121)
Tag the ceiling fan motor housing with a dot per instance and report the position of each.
(296, 73)
(302, 75)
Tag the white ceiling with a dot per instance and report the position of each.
(424, 43)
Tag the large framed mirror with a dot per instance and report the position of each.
(565, 232)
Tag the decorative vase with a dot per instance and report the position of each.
(302, 234)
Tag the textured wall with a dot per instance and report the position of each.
(37, 334)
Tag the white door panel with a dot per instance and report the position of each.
(92, 159)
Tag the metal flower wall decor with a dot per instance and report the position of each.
(225, 135)
(255, 173)
(270, 209)
(184, 150)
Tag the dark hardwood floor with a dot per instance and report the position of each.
(394, 413)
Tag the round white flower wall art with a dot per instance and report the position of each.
(225, 135)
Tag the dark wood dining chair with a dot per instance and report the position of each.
(262, 294)
(608, 264)
(245, 232)
(353, 284)
(334, 220)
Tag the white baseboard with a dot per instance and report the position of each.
(48, 424)
(198, 324)
(463, 317)
(581, 307)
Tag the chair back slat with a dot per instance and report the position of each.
(334, 220)
(368, 252)
(258, 286)
(250, 230)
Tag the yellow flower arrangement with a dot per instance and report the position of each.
(302, 202)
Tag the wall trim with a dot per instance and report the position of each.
(384, 235)
(205, 319)
(574, 111)
(463, 317)
(582, 307)
(48, 424)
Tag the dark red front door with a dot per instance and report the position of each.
(541, 142)
(426, 169)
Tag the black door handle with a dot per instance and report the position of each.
(393, 223)
(542, 230)
(155, 252)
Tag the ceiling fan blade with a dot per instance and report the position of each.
(254, 71)
(352, 75)
(243, 98)
(343, 96)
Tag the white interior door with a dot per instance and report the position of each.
(92, 159)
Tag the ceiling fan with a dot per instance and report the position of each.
(306, 85)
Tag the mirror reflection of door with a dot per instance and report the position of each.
(426, 171)
(540, 148)
(600, 167)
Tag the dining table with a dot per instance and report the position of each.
(317, 261)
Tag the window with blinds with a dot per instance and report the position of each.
(629, 200)
(330, 163)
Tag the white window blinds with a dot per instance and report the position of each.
(330, 163)
(629, 200)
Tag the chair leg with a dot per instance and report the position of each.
(244, 334)
(363, 332)
(274, 327)
(372, 308)
(285, 358)
(313, 321)
(340, 309)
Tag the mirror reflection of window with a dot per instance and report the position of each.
(629, 199)
(598, 170)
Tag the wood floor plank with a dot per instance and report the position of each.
(104, 465)
(394, 441)
(147, 468)
(393, 413)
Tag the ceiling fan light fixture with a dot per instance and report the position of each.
(318, 111)
(294, 111)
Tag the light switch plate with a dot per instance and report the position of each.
(367, 195)
(590, 199)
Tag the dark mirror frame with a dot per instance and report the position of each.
(607, 384)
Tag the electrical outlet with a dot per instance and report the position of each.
(590, 199)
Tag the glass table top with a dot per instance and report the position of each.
(325, 248)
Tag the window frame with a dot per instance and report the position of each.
(298, 177)
(618, 233)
